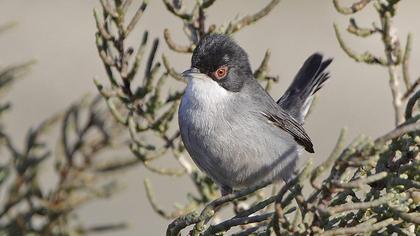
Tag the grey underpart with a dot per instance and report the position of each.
(238, 146)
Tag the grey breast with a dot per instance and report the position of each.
(235, 144)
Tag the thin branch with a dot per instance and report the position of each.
(366, 57)
(353, 28)
(175, 47)
(176, 11)
(355, 7)
(390, 41)
(405, 62)
(397, 132)
(151, 197)
(136, 17)
(171, 70)
(411, 89)
(226, 225)
(359, 229)
(338, 148)
(360, 205)
(261, 71)
(410, 105)
(361, 181)
(247, 20)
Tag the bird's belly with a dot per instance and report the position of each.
(241, 151)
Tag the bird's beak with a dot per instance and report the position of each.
(193, 73)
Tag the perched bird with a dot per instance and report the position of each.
(232, 128)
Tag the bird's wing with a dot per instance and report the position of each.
(285, 122)
(298, 97)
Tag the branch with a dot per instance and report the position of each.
(366, 57)
(175, 47)
(410, 105)
(226, 225)
(360, 228)
(247, 20)
(411, 89)
(397, 132)
(358, 183)
(353, 28)
(339, 146)
(353, 8)
(176, 11)
(136, 17)
(171, 70)
(405, 62)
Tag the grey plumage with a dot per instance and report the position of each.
(232, 128)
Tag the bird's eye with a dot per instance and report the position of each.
(221, 72)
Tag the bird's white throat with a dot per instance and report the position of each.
(205, 92)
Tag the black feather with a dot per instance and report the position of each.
(288, 124)
(307, 82)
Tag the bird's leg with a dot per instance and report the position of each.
(225, 190)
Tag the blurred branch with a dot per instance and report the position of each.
(394, 57)
(247, 20)
(7, 26)
(355, 7)
(406, 58)
(366, 57)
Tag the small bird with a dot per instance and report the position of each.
(232, 128)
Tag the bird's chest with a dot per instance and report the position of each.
(203, 105)
(227, 139)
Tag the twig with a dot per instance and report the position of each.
(411, 89)
(360, 205)
(174, 10)
(353, 28)
(397, 132)
(247, 20)
(330, 160)
(361, 181)
(261, 71)
(136, 17)
(226, 225)
(151, 197)
(171, 70)
(351, 10)
(390, 50)
(413, 217)
(366, 57)
(175, 47)
(359, 229)
(7, 26)
(405, 63)
(410, 105)
(211, 208)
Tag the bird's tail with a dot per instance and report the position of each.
(298, 97)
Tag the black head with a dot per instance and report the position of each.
(224, 61)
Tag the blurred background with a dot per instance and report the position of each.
(59, 35)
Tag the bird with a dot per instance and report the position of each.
(232, 128)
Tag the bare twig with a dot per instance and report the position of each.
(247, 20)
(353, 8)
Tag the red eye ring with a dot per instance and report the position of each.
(221, 72)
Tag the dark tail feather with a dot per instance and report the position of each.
(298, 97)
